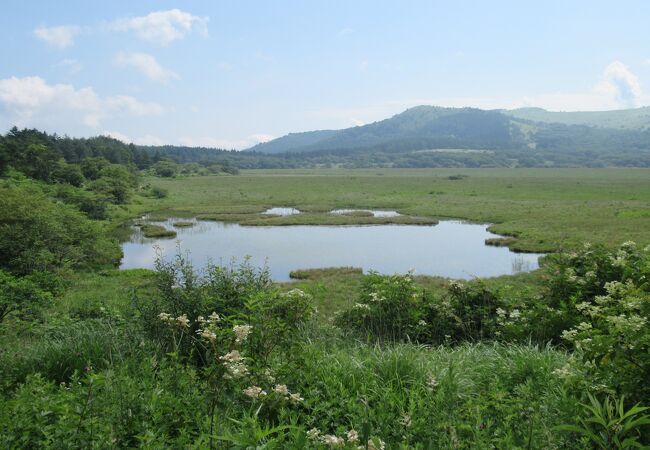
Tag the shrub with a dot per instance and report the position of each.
(608, 308)
(23, 296)
(389, 307)
(38, 234)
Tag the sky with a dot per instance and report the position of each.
(232, 74)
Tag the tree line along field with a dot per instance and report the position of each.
(545, 209)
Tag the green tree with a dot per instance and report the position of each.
(40, 234)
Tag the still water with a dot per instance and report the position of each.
(450, 249)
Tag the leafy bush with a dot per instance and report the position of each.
(389, 307)
(394, 307)
(38, 234)
(612, 314)
(237, 295)
(24, 296)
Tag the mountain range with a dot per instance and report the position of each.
(535, 131)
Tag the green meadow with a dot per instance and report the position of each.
(342, 359)
(545, 209)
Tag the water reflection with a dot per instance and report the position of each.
(450, 249)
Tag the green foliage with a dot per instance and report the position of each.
(157, 231)
(38, 234)
(609, 425)
(159, 192)
(24, 296)
(114, 182)
(395, 308)
(165, 168)
(389, 307)
(68, 173)
(610, 308)
(92, 167)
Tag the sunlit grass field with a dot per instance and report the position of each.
(546, 209)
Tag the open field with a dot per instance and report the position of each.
(546, 209)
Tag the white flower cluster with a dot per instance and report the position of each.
(181, 321)
(241, 332)
(254, 392)
(209, 326)
(234, 364)
(351, 437)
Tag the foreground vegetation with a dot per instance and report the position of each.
(93, 357)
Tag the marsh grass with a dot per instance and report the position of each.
(183, 224)
(157, 231)
(547, 209)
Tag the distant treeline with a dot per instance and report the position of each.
(555, 145)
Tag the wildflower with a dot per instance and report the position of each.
(332, 441)
(165, 317)
(281, 389)
(182, 321)
(235, 370)
(207, 335)
(254, 392)
(201, 320)
(363, 306)
(241, 332)
(232, 356)
(405, 420)
(214, 318)
(295, 398)
(376, 444)
(269, 375)
(432, 383)
(422, 323)
(501, 312)
(515, 314)
(353, 436)
(313, 434)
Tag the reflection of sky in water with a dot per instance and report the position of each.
(374, 212)
(450, 249)
(281, 211)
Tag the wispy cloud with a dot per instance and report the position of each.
(238, 144)
(145, 64)
(31, 101)
(163, 27)
(60, 37)
(72, 66)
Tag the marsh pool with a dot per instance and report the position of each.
(449, 249)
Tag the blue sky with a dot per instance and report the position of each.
(231, 74)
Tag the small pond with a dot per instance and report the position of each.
(281, 211)
(372, 212)
(450, 249)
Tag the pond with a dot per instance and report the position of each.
(281, 211)
(371, 212)
(449, 249)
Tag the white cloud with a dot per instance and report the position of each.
(119, 136)
(620, 83)
(59, 37)
(31, 101)
(239, 144)
(163, 27)
(145, 64)
(149, 139)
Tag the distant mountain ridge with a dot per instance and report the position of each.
(433, 127)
